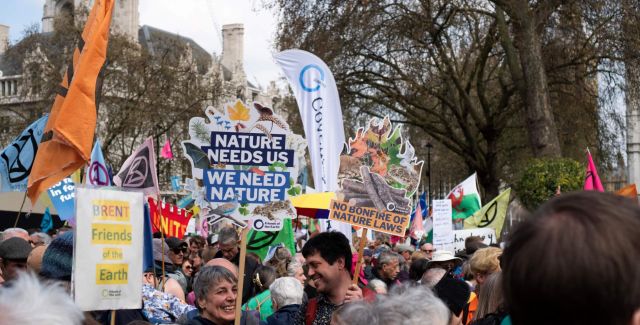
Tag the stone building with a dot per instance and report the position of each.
(14, 76)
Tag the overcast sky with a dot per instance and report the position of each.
(192, 18)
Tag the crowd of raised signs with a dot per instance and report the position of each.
(576, 260)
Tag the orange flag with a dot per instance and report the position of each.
(68, 136)
(629, 191)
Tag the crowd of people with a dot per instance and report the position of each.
(574, 261)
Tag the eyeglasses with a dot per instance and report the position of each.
(429, 251)
(189, 267)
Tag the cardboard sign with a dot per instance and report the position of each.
(442, 224)
(370, 218)
(108, 255)
(172, 221)
(245, 161)
(63, 197)
(379, 173)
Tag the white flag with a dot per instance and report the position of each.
(319, 104)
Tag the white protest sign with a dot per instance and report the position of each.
(488, 236)
(442, 224)
(107, 267)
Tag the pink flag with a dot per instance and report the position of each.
(592, 180)
(139, 170)
(166, 150)
(417, 229)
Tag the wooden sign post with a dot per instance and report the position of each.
(363, 243)
(241, 275)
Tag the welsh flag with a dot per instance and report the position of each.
(465, 198)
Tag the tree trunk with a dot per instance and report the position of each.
(543, 136)
(534, 90)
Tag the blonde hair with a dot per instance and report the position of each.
(485, 260)
(491, 298)
(419, 255)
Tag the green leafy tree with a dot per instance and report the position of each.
(542, 179)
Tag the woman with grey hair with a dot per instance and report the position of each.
(286, 294)
(216, 289)
(294, 269)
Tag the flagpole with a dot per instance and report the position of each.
(24, 198)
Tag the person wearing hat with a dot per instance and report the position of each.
(455, 294)
(177, 250)
(14, 253)
(162, 253)
(444, 260)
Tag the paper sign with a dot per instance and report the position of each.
(63, 197)
(370, 218)
(171, 220)
(108, 256)
(442, 224)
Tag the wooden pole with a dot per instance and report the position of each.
(159, 212)
(113, 318)
(20, 211)
(241, 275)
(363, 243)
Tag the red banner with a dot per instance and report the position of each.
(172, 220)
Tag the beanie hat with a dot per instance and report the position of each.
(454, 293)
(35, 258)
(15, 248)
(157, 250)
(57, 262)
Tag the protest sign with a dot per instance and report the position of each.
(259, 241)
(63, 197)
(370, 218)
(245, 161)
(442, 224)
(108, 254)
(169, 219)
(487, 235)
(378, 175)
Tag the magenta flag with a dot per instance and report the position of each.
(592, 180)
(166, 150)
(417, 229)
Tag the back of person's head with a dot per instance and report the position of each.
(57, 260)
(411, 305)
(263, 277)
(378, 286)
(485, 261)
(42, 239)
(472, 244)
(331, 246)
(575, 261)
(227, 236)
(432, 276)
(30, 302)
(490, 298)
(417, 269)
(286, 291)
(15, 232)
(357, 313)
(198, 240)
(454, 293)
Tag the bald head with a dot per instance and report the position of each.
(224, 263)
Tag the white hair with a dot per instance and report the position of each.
(404, 305)
(411, 305)
(377, 283)
(28, 301)
(286, 291)
(432, 276)
(15, 232)
(293, 267)
(46, 239)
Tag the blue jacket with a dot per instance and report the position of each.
(283, 316)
